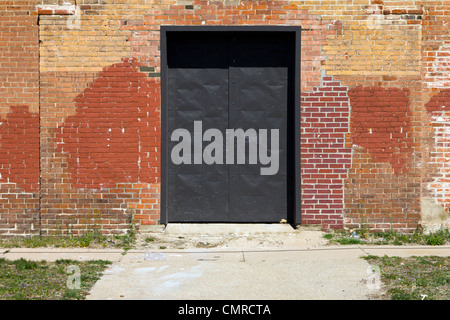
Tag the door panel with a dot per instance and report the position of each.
(258, 100)
(228, 81)
(198, 192)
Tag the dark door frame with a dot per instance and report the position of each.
(294, 188)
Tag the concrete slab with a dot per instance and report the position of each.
(255, 264)
(256, 275)
(226, 228)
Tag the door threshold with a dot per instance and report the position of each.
(227, 228)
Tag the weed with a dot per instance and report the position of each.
(92, 237)
(342, 237)
(349, 240)
(18, 296)
(72, 294)
(25, 280)
(414, 278)
(328, 236)
(436, 238)
(23, 264)
(401, 294)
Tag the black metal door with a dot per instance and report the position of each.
(228, 80)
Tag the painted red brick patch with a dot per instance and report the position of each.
(19, 148)
(380, 123)
(439, 102)
(115, 134)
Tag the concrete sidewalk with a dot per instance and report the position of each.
(297, 274)
(283, 265)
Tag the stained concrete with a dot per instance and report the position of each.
(227, 228)
(284, 264)
(240, 274)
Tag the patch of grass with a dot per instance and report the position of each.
(85, 240)
(348, 240)
(328, 236)
(91, 237)
(72, 294)
(436, 238)
(23, 264)
(414, 278)
(397, 238)
(41, 280)
(342, 237)
(126, 240)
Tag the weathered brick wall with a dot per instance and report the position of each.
(80, 109)
(325, 157)
(19, 119)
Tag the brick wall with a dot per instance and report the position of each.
(80, 110)
(326, 159)
(19, 119)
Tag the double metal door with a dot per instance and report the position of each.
(227, 81)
